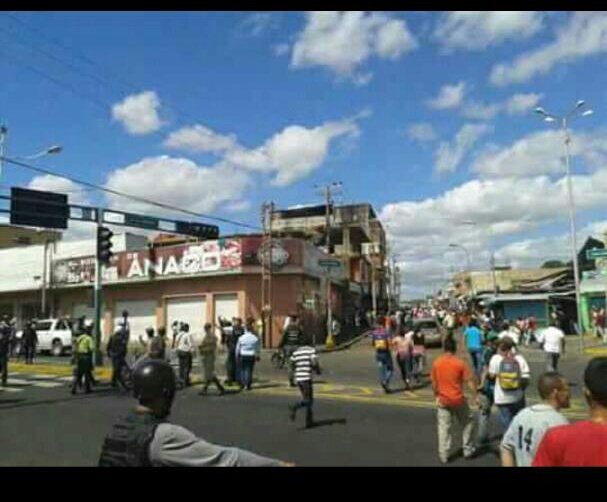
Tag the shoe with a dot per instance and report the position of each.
(470, 456)
(443, 460)
(309, 425)
(73, 392)
(385, 387)
(249, 387)
(292, 413)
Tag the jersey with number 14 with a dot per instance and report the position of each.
(526, 431)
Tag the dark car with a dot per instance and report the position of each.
(431, 330)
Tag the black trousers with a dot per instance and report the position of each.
(30, 351)
(307, 400)
(118, 363)
(231, 366)
(185, 367)
(84, 369)
(4, 367)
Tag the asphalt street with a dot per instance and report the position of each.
(41, 424)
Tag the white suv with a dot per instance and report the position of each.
(54, 336)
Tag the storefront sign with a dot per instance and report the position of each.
(220, 256)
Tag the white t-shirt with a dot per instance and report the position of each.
(513, 335)
(500, 395)
(527, 430)
(551, 338)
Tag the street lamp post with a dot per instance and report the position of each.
(468, 262)
(563, 123)
(52, 150)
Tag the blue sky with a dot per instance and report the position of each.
(428, 116)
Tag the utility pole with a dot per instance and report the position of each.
(492, 262)
(329, 190)
(98, 294)
(44, 272)
(267, 210)
(3, 132)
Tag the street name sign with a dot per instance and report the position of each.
(593, 254)
(329, 263)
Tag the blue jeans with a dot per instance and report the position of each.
(477, 361)
(247, 363)
(386, 368)
(506, 412)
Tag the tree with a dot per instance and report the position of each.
(553, 264)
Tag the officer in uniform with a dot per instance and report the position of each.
(84, 347)
(5, 345)
(146, 438)
(116, 351)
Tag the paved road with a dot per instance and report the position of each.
(42, 424)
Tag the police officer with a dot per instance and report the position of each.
(5, 343)
(145, 437)
(30, 340)
(117, 350)
(83, 353)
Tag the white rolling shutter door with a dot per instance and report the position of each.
(192, 310)
(142, 314)
(226, 306)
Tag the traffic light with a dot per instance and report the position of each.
(104, 245)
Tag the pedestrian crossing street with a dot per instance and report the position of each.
(18, 382)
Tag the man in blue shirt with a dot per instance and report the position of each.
(474, 344)
(247, 351)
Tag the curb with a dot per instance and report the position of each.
(345, 345)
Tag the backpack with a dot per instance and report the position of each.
(509, 373)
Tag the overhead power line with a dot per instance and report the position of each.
(118, 193)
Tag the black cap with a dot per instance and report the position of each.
(152, 379)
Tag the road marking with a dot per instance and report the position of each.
(18, 381)
(48, 385)
(10, 389)
(65, 379)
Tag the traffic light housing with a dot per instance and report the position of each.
(104, 245)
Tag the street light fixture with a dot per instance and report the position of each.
(548, 117)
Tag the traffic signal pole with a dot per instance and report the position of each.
(98, 295)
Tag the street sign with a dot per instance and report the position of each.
(593, 254)
(35, 208)
(329, 263)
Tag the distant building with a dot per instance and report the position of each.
(357, 239)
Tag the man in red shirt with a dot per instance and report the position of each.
(583, 444)
(448, 376)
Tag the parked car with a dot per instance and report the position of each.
(54, 336)
(431, 330)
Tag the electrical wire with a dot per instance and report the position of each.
(127, 196)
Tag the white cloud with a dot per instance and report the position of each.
(344, 41)
(138, 113)
(281, 49)
(294, 152)
(290, 155)
(476, 30)
(422, 132)
(541, 153)
(179, 182)
(449, 155)
(420, 231)
(480, 111)
(258, 23)
(584, 35)
(200, 138)
(77, 194)
(520, 104)
(449, 97)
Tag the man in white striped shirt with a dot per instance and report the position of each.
(304, 361)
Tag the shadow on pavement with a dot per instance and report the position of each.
(267, 386)
(326, 422)
(21, 403)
